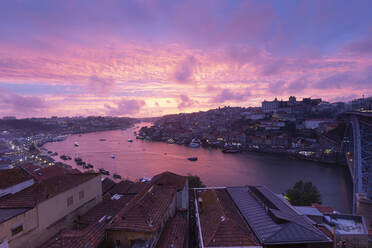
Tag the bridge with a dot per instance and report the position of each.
(357, 145)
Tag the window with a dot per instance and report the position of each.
(17, 229)
(81, 195)
(70, 201)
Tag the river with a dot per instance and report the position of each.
(145, 159)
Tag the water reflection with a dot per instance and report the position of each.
(145, 159)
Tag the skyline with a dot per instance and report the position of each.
(151, 58)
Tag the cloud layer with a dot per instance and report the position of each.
(147, 58)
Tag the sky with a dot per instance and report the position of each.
(142, 58)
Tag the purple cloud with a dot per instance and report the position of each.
(100, 86)
(228, 95)
(184, 71)
(186, 102)
(363, 47)
(22, 105)
(125, 107)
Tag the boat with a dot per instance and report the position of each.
(64, 157)
(231, 150)
(193, 158)
(80, 163)
(117, 176)
(130, 140)
(139, 137)
(78, 159)
(195, 143)
(90, 166)
(85, 166)
(102, 139)
(112, 156)
(145, 179)
(170, 141)
(104, 172)
(76, 144)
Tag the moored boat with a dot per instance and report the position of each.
(193, 158)
(117, 176)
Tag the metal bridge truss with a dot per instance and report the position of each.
(358, 147)
(366, 156)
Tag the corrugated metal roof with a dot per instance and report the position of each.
(272, 219)
(6, 214)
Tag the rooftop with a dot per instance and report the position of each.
(323, 209)
(6, 214)
(145, 212)
(91, 236)
(347, 224)
(170, 179)
(42, 173)
(272, 218)
(173, 234)
(127, 188)
(109, 206)
(39, 192)
(107, 184)
(12, 177)
(220, 221)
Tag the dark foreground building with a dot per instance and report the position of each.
(253, 217)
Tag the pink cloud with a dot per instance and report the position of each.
(125, 107)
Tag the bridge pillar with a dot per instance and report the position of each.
(364, 208)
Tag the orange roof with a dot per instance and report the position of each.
(12, 177)
(43, 190)
(326, 231)
(170, 179)
(323, 209)
(127, 188)
(174, 233)
(221, 222)
(43, 173)
(145, 212)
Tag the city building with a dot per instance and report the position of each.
(362, 104)
(270, 106)
(13, 181)
(32, 212)
(142, 221)
(252, 216)
(132, 214)
(346, 230)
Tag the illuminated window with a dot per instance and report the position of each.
(17, 229)
(81, 195)
(70, 201)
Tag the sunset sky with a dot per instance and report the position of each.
(150, 58)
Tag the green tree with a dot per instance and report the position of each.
(303, 194)
(195, 182)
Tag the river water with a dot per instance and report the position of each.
(145, 159)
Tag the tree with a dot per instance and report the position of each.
(195, 182)
(303, 194)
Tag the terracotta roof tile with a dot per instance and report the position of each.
(43, 173)
(91, 236)
(221, 222)
(326, 231)
(174, 233)
(127, 188)
(43, 190)
(145, 212)
(107, 184)
(323, 209)
(170, 179)
(12, 177)
(109, 207)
